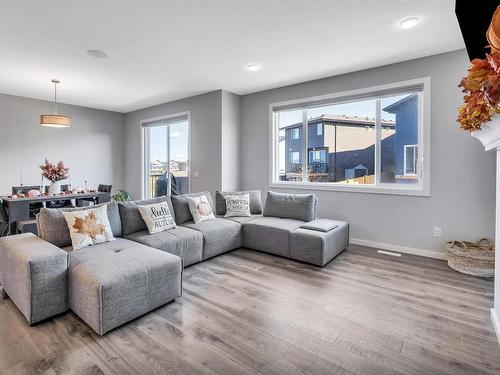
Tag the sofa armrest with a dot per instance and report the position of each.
(34, 274)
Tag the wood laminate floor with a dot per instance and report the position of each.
(250, 313)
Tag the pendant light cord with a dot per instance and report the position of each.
(55, 97)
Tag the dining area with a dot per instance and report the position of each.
(19, 208)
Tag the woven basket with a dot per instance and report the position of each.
(472, 258)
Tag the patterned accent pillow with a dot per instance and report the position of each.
(89, 227)
(238, 205)
(200, 208)
(157, 217)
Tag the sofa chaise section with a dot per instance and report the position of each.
(34, 274)
(115, 282)
(280, 231)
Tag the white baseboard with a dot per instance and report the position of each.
(398, 248)
(496, 323)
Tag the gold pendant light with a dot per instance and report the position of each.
(55, 120)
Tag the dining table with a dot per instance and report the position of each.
(18, 209)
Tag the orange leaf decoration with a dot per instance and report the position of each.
(482, 92)
(89, 226)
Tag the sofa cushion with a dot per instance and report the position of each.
(181, 206)
(183, 242)
(291, 206)
(115, 282)
(255, 201)
(52, 225)
(219, 235)
(269, 234)
(131, 217)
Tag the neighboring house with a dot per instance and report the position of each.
(339, 148)
(406, 143)
(342, 147)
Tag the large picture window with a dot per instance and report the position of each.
(166, 156)
(367, 140)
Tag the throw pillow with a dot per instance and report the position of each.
(200, 208)
(89, 227)
(157, 217)
(238, 205)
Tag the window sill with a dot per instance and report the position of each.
(351, 188)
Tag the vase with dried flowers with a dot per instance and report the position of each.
(55, 173)
(480, 113)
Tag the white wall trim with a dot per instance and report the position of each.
(398, 248)
(496, 323)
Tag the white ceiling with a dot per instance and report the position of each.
(166, 50)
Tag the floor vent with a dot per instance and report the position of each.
(389, 253)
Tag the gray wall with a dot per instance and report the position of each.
(230, 141)
(205, 142)
(462, 174)
(93, 143)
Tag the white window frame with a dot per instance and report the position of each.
(145, 146)
(291, 159)
(294, 131)
(422, 188)
(319, 128)
(415, 158)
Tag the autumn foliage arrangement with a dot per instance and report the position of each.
(482, 84)
(54, 172)
(482, 92)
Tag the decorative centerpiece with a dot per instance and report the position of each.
(55, 173)
(480, 112)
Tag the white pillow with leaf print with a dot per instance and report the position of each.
(200, 208)
(88, 227)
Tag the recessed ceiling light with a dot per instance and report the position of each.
(409, 22)
(97, 53)
(253, 67)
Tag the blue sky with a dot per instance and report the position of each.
(178, 142)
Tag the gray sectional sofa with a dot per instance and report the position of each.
(112, 283)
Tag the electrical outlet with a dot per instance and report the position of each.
(437, 232)
(195, 174)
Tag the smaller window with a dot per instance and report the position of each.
(319, 129)
(295, 133)
(410, 161)
(295, 157)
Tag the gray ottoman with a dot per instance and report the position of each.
(115, 282)
(34, 274)
(317, 247)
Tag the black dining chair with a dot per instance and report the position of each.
(89, 201)
(34, 207)
(4, 221)
(104, 188)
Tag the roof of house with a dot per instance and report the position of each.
(345, 120)
(392, 108)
